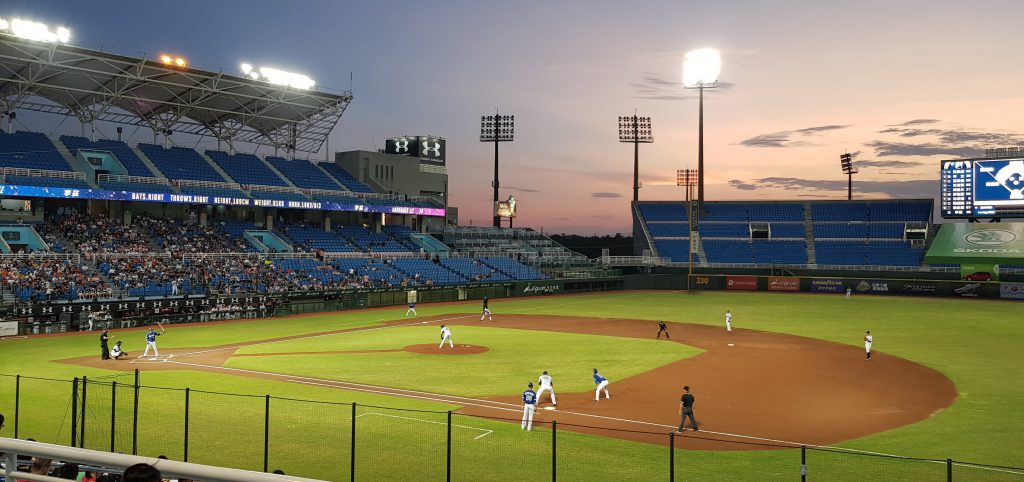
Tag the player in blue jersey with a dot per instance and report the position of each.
(602, 384)
(529, 406)
(412, 309)
(151, 342)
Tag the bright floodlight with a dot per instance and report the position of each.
(63, 35)
(246, 69)
(4, 25)
(30, 30)
(701, 68)
(165, 59)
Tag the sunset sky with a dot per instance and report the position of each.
(902, 84)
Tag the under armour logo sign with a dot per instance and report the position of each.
(432, 149)
(401, 145)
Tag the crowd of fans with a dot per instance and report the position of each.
(188, 237)
(47, 278)
(91, 235)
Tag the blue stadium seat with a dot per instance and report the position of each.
(30, 150)
(122, 151)
(246, 169)
(48, 182)
(344, 177)
(304, 174)
(181, 163)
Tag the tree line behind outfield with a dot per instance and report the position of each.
(591, 246)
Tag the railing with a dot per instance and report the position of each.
(132, 179)
(634, 261)
(210, 184)
(350, 441)
(117, 463)
(260, 187)
(77, 258)
(21, 171)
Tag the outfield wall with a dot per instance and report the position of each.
(860, 286)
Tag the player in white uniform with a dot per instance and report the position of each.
(446, 335)
(867, 344)
(412, 309)
(116, 352)
(728, 321)
(602, 384)
(849, 291)
(529, 407)
(546, 384)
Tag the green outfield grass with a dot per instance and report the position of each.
(975, 343)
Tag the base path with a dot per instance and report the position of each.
(768, 386)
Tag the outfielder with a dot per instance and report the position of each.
(446, 335)
(849, 292)
(487, 310)
(412, 309)
(662, 328)
(529, 406)
(728, 321)
(867, 344)
(151, 342)
(602, 384)
(546, 385)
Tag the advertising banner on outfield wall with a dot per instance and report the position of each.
(741, 282)
(827, 285)
(783, 283)
(927, 288)
(967, 290)
(1011, 291)
(876, 287)
(8, 328)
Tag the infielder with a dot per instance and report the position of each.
(546, 385)
(446, 334)
(728, 321)
(412, 309)
(662, 328)
(151, 342)
(487, 311)
(529, 406)
(849, 292)
(602, 384)
(867, 344)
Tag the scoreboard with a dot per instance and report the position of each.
(973, 188)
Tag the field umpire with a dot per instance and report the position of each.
(686, 410)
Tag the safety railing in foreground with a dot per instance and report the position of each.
(119, 462)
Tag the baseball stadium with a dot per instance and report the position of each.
(194, 285)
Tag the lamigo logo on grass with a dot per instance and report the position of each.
(990, 237)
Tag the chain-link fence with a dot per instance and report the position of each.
(346, 441)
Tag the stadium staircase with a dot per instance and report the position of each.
(214, 165)
(647, 232)
(812, 255)
(147, 161)
(73, 160)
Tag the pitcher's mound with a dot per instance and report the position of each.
(446, 350)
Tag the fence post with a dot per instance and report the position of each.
(266, 434)
(671, 456)
(135, 416)
(803, 463)
(448, 453)
(352, 449)
(554, 451)
(187, 393)
(949, 470)
(113, 412)
(17, 403)
(74, 411)
(81, 428)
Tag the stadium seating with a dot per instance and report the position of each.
(664, 212)
(767, 251)
(280, 196)
(474, 270)
(669, 230)
(181, 163)
(344, 177)
(246, 169)
(788, 230)
(304, 174)
(725, 230)
(423, 269)
(514, 269)
(372, 242)
(122, 151)
(30, 150)
(213, 191)
(677, 251)
(316, 238)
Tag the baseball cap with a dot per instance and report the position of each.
(686, 387)
(530, 384)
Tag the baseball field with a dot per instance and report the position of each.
(943, 383)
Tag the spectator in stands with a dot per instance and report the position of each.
(67, 471)
(141, 473)
(40, 466)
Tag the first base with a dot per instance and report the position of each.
(730, 344)
(549, 408)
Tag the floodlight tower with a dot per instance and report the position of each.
(700, 71)
(688, 178)
(497, 128)
(636, 130)
(846, 161)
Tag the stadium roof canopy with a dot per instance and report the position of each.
(101, 86)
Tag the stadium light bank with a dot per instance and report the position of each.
(30, 30)
(278, 77)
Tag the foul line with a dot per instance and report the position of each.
(478, 437)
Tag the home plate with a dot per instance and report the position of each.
(730, 344)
